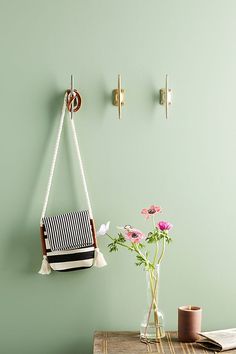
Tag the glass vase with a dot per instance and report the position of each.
(152, 326)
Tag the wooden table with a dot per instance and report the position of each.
(129, 343)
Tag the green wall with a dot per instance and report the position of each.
(186, 163)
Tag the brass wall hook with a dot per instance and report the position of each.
(118, 97)
(166, 97)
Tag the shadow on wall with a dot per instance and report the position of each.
(23, 243)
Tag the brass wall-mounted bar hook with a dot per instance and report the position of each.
(118, 97)
(166, 97)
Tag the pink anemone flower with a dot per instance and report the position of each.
(164, 225)
(152, 210)
(134, 235)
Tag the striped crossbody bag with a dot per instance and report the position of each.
(68, 240)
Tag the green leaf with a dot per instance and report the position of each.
(141, 260)
(168, 239)
(153, 237)
(141, 245)
(121, 238)
(113, 247)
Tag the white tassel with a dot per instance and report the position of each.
(99, 260)
(45, 267)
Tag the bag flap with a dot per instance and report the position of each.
(69, 231)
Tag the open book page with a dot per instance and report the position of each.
(218, 340)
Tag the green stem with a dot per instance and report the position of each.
(156, 254)
(137, 250)
(153, 288)
(134, 248)
(120, 243)
(163, 251)
(156, 249)
(153, 221)
(154, 303)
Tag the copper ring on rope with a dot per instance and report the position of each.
(73, 100)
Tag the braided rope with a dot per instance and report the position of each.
(81, 168)
(67, 103)
(54, 160)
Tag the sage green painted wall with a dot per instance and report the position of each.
(186, 163)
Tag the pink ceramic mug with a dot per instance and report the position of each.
(189, 323)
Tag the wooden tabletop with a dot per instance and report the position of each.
(129, 343)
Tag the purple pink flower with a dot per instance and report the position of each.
(134, 235)
(164, 225)
(152, 210)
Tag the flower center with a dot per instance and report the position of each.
(134, 235)
(151, 211)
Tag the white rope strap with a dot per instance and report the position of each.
(81, 168)
(54, 160)
(56, 148)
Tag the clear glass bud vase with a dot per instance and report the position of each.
(152, 326)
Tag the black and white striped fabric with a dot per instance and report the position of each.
(65, 261)
(70, 245)
(68, 231)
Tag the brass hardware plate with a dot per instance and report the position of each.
(163, 96)
(118, 97)
(115, 94)
(166, 97)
